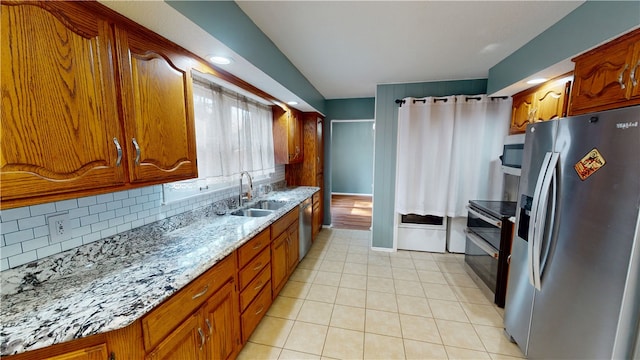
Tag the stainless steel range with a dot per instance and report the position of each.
(488, 245)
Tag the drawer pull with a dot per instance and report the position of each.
(260, 285)
(201, 338)
(209, 325)
(204, 291)
(257, 246)
(259, 311)
(258, 266)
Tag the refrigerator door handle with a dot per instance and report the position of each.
(533, 226)
(552, 218)
(541, 216)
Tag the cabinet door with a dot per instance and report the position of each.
(522, 112)
(186, 342)
(157, 104)
(287, 135)
(600, 79)
(295, 136)
(59, 120)
(279, 263)
(551, 101)
(222, 327)
(98, 352)
(634, 79)
(319, 146)
(293, 244)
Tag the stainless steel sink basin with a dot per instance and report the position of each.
(268, 204)
(252, 212)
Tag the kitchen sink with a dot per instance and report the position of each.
(252, 212)
(268, 204)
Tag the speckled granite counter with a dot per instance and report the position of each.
(108, 284)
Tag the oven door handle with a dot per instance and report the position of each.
(479, 242)
(485, 218)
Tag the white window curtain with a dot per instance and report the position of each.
(425, 136)
(233, 134)
(237, 134)
(448, 153)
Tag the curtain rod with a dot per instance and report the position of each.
(424, 101)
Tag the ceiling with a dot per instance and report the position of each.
(346, 48)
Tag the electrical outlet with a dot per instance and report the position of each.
(59, 228)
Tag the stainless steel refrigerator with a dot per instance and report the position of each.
(574, 282)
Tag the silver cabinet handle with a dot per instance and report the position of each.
(621, 76)
(260, 310)
(118, 150)
(209, 325)
(632, 76)
(201, 338)
(204, 291)
(135, 144)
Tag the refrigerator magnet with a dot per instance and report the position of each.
(589, 164)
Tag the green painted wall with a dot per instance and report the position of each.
(351, 109)
(587, 26)
(352, 157)
(341, 109)
(384, 178)
(225, 21)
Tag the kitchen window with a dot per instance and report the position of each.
(233, 134)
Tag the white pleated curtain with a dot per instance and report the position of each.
(233, 134)
(448, 153)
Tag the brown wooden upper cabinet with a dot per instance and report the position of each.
(75, 95)
(60, 128)
(543, 102)
(287, 135)
(157, 104)
(608, 76)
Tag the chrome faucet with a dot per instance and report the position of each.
(249, 193)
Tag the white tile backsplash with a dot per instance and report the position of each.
(25, 232)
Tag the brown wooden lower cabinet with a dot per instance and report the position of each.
(183, 343)
(285, 250)
(98, 352)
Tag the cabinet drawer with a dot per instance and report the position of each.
(281, 225)
(254, 287)
(249, 250)
(316, 198)
(167, 316)
(255, 312)
(254, 267)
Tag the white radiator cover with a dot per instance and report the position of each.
(418, 237)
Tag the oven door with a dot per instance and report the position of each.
(482, 258)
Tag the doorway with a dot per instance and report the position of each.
(352, 144)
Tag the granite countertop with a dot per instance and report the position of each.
(108, 284)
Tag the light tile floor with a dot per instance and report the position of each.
(345, 301)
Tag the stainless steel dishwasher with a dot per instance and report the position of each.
(306, 208)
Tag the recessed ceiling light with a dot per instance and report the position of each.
(292, 102)
(536, 81)
(220, 60)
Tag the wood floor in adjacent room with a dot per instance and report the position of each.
(351, 212)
